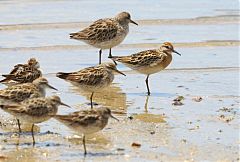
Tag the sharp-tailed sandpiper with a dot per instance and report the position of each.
(23, 73)
(34, 110)
(149, 61)
(92, 79)
(86, 121)
(105, 33)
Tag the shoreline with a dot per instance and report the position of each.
(208, 20)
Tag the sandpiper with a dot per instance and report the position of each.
(23, 73)
(20, 92)
(35, 110)
(92, 79)
(86, 121)
(149, 61)
(105, 33)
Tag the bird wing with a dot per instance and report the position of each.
(36, 106)
(30, 107)
(13, 108)
(101, 30)
(144, 58)
(82, 118)
(27, 75)
(19, 93)
(88, 76)
(18, 68)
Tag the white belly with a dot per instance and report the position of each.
(149, 70)
(95, 87)
(32, 119)
(87, 130)
(111, 43)
(88, 88)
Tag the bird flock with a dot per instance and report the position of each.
(25, 97)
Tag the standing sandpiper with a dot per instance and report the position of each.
(92, 79)
(105, 33)
(23, 73)
(86, 121)
(20, 92)
(35, 110)
(149, 61)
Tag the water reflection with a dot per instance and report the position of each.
(112, 97)
(24, 155)
(146, 104)
(98, 140)
(9, 124)
(149, 117)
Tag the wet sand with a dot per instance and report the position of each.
(194, 131)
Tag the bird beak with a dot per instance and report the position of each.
(51, 87)
(114, 117)
(120, 72)
(131, 21)
(176, 52)
(61, 103)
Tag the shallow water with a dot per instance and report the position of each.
(69, 11)
(194, 131)
(145, 34)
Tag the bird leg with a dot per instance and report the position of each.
(110, 55)
(19, 127)
(147, 85)
(100, 56)
(91, 97)
(84, 145)
(33, 134)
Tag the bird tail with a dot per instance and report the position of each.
(9, 107)
(114, 57)
(79, 35)
(72, 35)
(4, 80)
(62, 75)
(8, 77)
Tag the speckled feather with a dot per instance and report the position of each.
(33, 107)
(96, 76)
(25, 76)
(18, 93)
(144, 58)
(149, 61)
(105, 33)
(24, 73)
(100, 31)
(86, 118)
(34, 110)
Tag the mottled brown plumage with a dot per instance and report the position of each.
(100, 31)
(20, 92)
(23, 73)
(34, 110)
(92, 79)
(149, 61)
(86, 121)
(105, 33)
